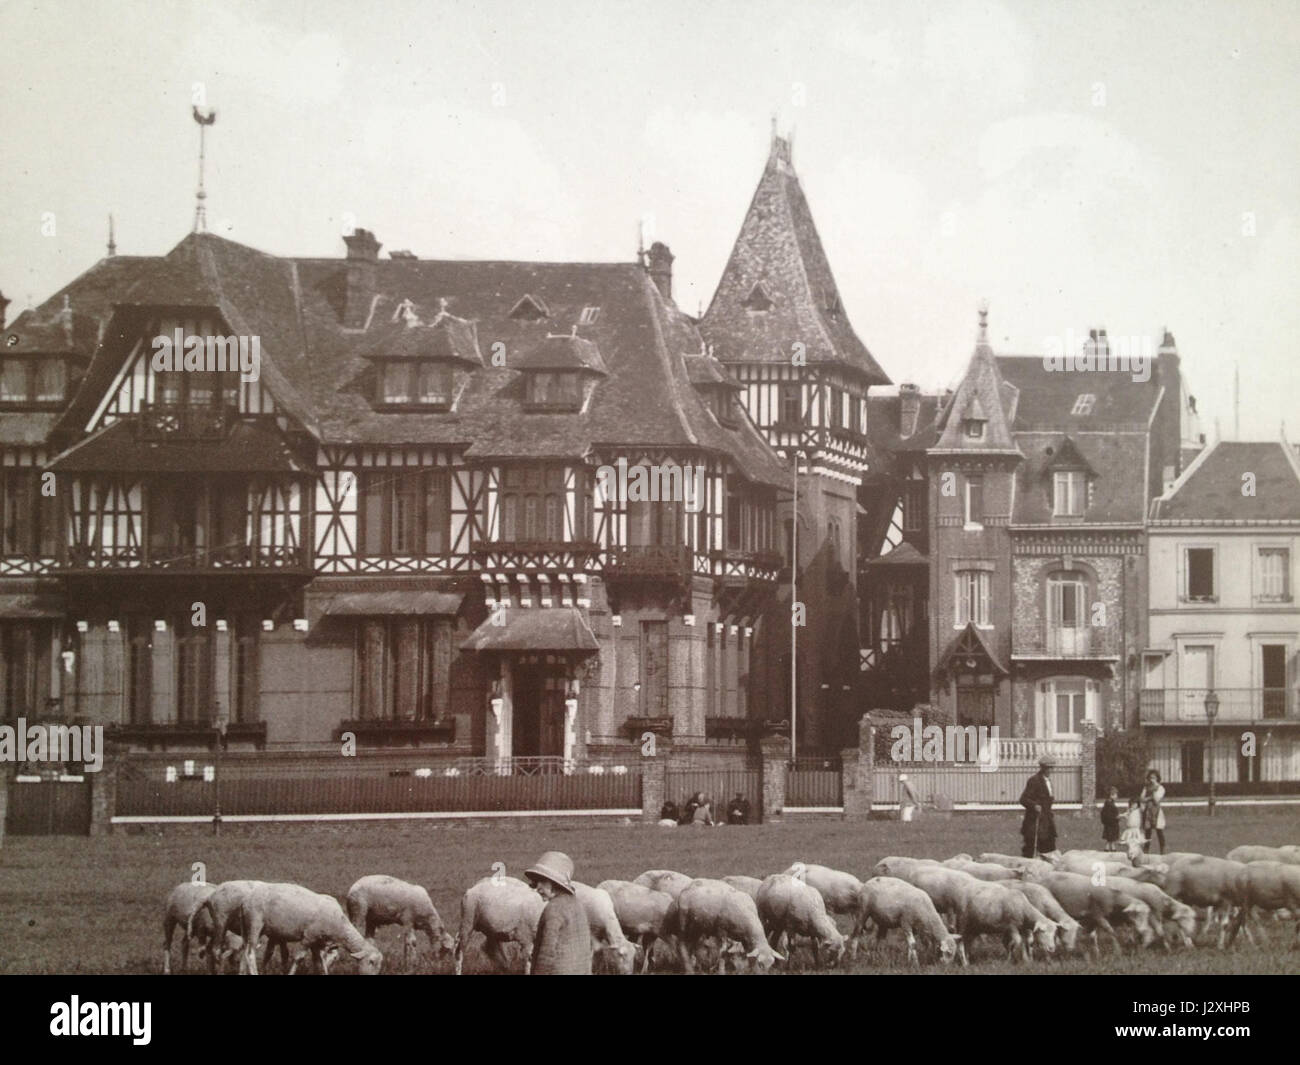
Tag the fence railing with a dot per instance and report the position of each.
(814, 782)
(970, 784)
(1027, 750)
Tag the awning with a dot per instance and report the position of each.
(525, 629)
(388, 604)
(29, 606)
(969, 653)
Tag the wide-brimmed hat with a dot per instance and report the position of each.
(554, 866)
(1047, 759)
(902, 776)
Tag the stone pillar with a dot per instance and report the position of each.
(103, 793)
(859, 780)
(654, 771)
(1088, 773)
(775, 755)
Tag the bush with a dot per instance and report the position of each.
(1122, 761)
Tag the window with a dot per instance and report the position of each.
(791, 405)
(589, 315)
(1274, 572)
(139, 670)
(244, 663)
(178, 388)
(846, 410)
(415, 383)
(1067, 601)
(1065, 705)
(1199, 574)
(24, 668)
(1083, 405)
(532, 503)
(556, 390)
(51, 380)
(395, 667)
(14, 387)
(194, 653)
(31, 520)
(972, 598)
(914, 506)
(404, 512)
(758, 299)
(1069, 493)
(974, 500)
(33, 380)
(725, 406)
(974, 428)
(530, 309)
(734, 510)
(175, 521)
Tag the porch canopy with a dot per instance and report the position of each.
(29, 606)
(250, 447)
(968, 653)
(393, 603)
(524, 629)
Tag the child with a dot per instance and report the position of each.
(1133, 837)
(1110, 821)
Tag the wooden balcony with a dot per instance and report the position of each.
(1186, 706)
(649, 563)
(177, 421)
(231, 558)
(536, 556)
(735, 566)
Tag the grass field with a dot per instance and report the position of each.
(95, 905)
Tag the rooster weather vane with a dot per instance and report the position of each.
(200, 208)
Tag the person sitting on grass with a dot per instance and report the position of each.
(1110, 820)
(703, 814)
(690, 806)
(669, 812)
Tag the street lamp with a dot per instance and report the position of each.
(1211, 712)
(221, 720)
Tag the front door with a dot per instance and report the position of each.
(1273, 672)
(538, 710)
(975, 706)
(1196, 678)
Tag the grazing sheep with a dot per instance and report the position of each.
(992, 909)
(946, 887)
(664, 880)
(1097, 856)
(505, 910)
(1095, 906)
(641, 912)
(838, 889)
(1168, 858)
(1288, 855)
(375, 901)
(895, 865)
(1045, 903)
(789, 907)
(1014, 861)
(989, 871)
(1209, 883)
(1088, 865)
(1270, 886)
(182, 905)
(710, 909)
(607, 936)
(748, 884)
(889, 902)
(289, 913)
(1168, 914)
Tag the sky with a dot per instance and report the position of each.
(1133, 166)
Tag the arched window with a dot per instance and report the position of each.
(1067, 612)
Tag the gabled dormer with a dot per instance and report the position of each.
(421, 365)
(976, 418)
(42, 358)
(530, 309)
(1068, 478)
(560, 372)
(720, 391)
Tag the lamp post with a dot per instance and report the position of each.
(221, 720)
(1211, 712)
(794, 629)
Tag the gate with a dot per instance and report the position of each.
(719, 785)
(49, 806)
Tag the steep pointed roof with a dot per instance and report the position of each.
(777, 289)
(982, 395)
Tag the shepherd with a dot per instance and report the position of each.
(1038, 829)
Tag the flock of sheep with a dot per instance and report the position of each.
(1035, 907)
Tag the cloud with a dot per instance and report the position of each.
(981, 46)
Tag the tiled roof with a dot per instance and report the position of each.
(566, 351)
(982, 394)
(1117, 466)
(250, 447)
(1048, 398)
(317, 370)
(1213, 487)
(779, 251)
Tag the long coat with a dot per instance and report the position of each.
(1036, 793)
(563, 944)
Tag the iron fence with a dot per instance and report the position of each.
(814, 782)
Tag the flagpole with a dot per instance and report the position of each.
(794, 600)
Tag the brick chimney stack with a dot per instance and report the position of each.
(363, 255)
(658, 263)
(909, 408)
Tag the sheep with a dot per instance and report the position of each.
(1094, 906)
(1210, 883)
(839, 890)
(992, 909)
(377, 900)
(710, 909)
(944, 886)
(1168, 858)
(606, 934)
(664, 880)
(1164, 908)
(1045, 903)
(895, 865)
(641, 912)
(889, 902)
(1097, 856)
(989, 871)
(1014, 861)
(505, 910)
(295, 914)
(788, 907)
(748, 884)
(1288, 855)
(184, 901)
(1270, 886)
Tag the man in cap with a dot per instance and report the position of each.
(563, 943)
(1038, 829)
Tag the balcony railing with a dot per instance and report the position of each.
(734, 564)
(1069, 643)
(178, 421)
(227, 557)
(1186, 706)
(651, 562)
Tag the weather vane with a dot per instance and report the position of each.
(200, 209)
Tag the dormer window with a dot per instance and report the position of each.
(530, 309)
(974, 428)
(554, 390)
(758, 299)
(1084, 404)
(589, 316)
(725, 406)
(30, 381)
(1069, 493)
(415, 384)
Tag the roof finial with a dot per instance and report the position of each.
(200, 208)
(112, 243)
(983, 308)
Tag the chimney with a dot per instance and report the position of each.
(4, 306)
(909, 407)
(659, 265)
(363, 254)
